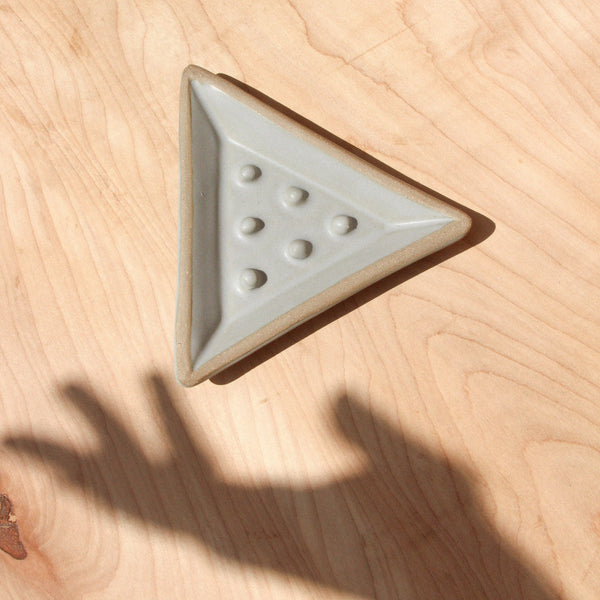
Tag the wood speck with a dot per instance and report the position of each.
(10, 541)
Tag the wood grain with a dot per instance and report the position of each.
(435, 436)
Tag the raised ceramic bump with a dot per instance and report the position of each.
(250, 279)
(294, 196)
(251, 225)
(250, 173)
(343, 224)
(300, 249)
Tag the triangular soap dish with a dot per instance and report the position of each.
(278, 223)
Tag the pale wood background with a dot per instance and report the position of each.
(437, 436)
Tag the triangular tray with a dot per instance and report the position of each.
(278, 223)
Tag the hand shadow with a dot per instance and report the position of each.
(406, 526)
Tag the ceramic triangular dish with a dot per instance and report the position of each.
(278, 223)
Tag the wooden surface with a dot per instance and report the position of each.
(436, 436)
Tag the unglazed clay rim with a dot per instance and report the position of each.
(445, 236)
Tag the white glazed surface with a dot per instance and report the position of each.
(277, 221)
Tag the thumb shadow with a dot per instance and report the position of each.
(408, 524)
(426, 526)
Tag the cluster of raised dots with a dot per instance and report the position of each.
(298, 249)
